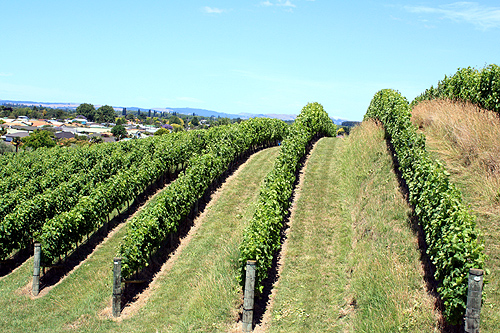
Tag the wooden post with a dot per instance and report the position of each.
(249, 296)
(36, 269)
(117, 286)
(474, 296)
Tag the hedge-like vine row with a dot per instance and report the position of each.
(261, 238)
(59, 234)
(34, 171)
(26, 218)
(480, 87)
(146, 232)
(453, 242)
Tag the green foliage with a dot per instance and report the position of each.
(87, 110)
(33, 112)
(453, 242)
(162, 131)
(175, 120)
(105, 114)
(37, 186)
(195, 121)
(38, 139)
(468, 84)
(161, 217)
(119, 131)
(156, 157)
(261, 239)
(96, 139)
(177, 127)
(120, 121)
(5, 147)
(221, 121)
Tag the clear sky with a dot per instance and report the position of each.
(250, 56)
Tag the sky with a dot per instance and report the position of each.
(246, 56)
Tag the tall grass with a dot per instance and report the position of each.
(467, 139)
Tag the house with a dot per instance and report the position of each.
(10, 136)
(24, 128)
(40, 123)
(64, 135)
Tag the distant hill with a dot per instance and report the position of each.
(189, 111)
(338, 121)
(71, 106)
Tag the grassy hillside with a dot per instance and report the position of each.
(351, 262)
(467, 140)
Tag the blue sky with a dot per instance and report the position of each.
(239, 56)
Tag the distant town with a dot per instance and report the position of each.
(88, 125)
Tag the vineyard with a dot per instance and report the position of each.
(365, 233)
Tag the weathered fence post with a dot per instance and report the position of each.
(474, 296)
(248, 296)
(36, 269)
(117, 286)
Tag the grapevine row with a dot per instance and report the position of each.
(453, 241)
(61, 233)
(480, 87)
(40, 168)
(261, 238)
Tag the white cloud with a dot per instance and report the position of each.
(286, 3)
(5, 74)
(213, 10)
(481, 16)
(281, 3)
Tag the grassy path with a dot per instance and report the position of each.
(351, 260)
(200, 293)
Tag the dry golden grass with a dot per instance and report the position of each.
(467, 140)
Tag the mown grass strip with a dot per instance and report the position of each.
(352, 261)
